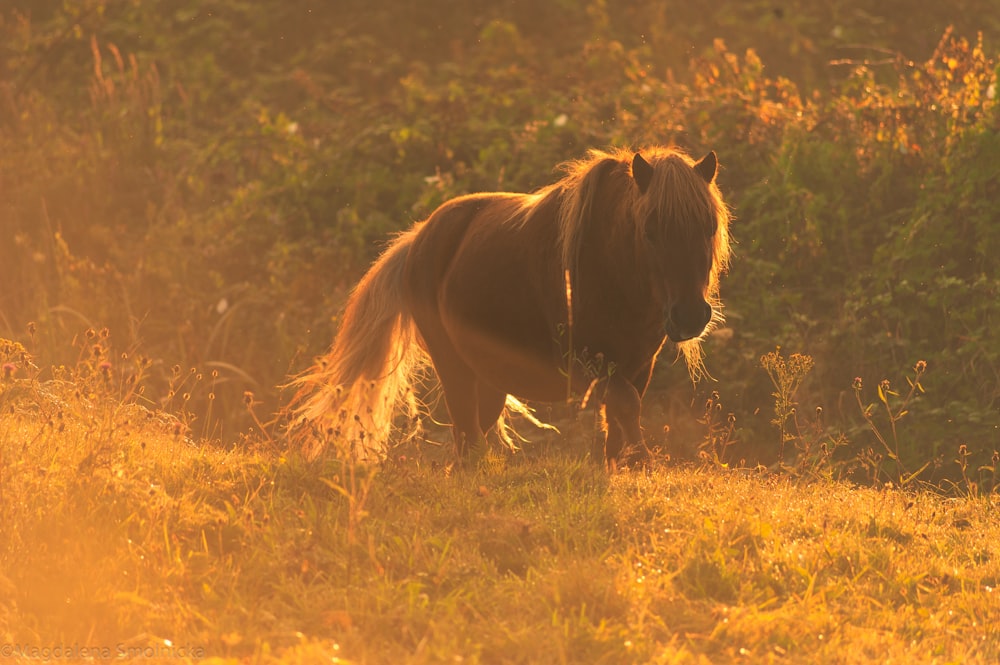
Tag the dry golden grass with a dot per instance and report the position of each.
(120, 537)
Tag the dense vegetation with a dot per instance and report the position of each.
(207, 180)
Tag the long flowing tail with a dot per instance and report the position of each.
(350, 396)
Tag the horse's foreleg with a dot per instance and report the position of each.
(623, 407)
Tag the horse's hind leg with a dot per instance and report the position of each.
(474, 407)
(460, 394)
(491, 404)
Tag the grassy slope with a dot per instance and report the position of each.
(116, 532)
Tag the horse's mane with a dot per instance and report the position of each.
(676, 193)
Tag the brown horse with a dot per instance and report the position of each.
(570, 290)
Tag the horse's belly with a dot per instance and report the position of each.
(503, 333)
(518, 361)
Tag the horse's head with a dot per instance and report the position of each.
(682, 231)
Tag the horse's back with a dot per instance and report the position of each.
(484, 270)
(480, 235)
(439, 237)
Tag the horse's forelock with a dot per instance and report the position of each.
(675, 193)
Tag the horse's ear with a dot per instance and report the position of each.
(707, 167)
(642, 172)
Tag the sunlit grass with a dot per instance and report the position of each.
(119, 533)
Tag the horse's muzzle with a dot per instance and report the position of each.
(687, 320)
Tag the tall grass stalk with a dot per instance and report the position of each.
(786, 376)
(895, 409)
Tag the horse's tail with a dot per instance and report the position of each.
(349, 397)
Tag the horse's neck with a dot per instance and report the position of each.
(614, 270)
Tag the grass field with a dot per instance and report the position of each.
(121, 538)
